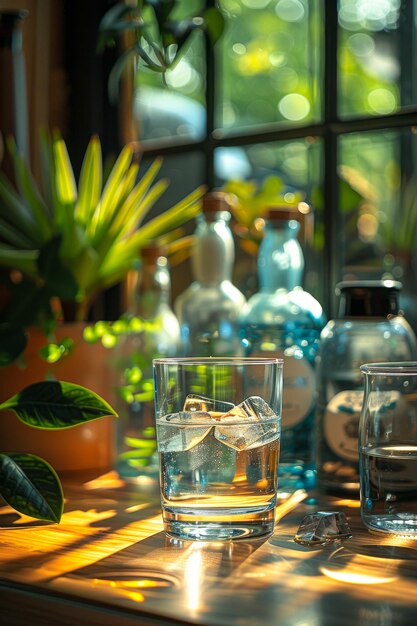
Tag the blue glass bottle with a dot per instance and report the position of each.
(284, 320)
(208, 309)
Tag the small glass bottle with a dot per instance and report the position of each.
(369, 328)
(284, 320)
(152, 331)
(208, 309)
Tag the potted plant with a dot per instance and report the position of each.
(27, 482)
(64, 243)
(61, 245)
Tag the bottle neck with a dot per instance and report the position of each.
(153, 288)
(280, 258)
(214, 252)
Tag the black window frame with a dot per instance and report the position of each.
(100, 117)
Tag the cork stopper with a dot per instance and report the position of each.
(215, 201)
(280, 213)
(302, 213)
(152, 252)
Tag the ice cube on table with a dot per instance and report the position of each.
(250, 431)
(179, 432)
(320, 529)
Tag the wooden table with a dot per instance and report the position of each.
(109, 562)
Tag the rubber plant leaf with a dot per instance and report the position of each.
(31, 486)
(56, 405)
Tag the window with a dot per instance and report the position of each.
(321, 95)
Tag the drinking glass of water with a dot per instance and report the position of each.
(388, 448)
(218, 425)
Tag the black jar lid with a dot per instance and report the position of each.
(368, 298)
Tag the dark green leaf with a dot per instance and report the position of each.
(214, 21)
(349, 198)
(179, 32)
(30, 192)
(113, 15)
(116, 75)
(13, 341)
(57, 405)
(59, 279)
(147, 59)
(12, 235)
(162, 9)
(15, 212)
(31, 486)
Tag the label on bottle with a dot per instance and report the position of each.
(341, 423)
(299, 386)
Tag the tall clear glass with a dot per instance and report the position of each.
(388, 447)
(218, 424)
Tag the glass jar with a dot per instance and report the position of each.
(369, 328)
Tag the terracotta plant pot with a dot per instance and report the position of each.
(82, 448)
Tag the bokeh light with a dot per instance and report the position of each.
(294, 107)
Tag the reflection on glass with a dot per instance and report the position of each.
(185, 172)
(173, 106)
(373, 69)
(270, 57)
(276, 173)
(378, 212)
(160, 114)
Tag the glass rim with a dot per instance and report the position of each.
(393, 368)
(232, 360)
(199, 420)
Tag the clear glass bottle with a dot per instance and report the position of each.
(285, 320)
(369, 328)
(208, 309)
(152, 331)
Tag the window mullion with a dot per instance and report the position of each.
(330, 181)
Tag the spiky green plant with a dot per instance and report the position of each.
(65, 242)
